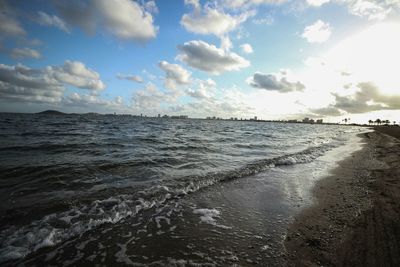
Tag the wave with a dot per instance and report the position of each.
(57, 147)
(17, 243)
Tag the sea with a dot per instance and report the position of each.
(109, 190)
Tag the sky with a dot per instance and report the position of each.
(274, 59)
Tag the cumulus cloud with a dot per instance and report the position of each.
(368, 98)
(273, 82)
(151, 7)
(268, 20)
(209, 58)
(123, 18)
(226, 43)
(151, 98)
(174, 75)
(373, 10)
(318, 32)
(21, 83)
(85, 102)
(194, 3)
(21, 53)
(52, 20)
(9, 26)
(204, 89)
(75, 73)
(211, 20)
(370, 9)
(317, 3)
(231, 104)
(247, 3)
(133, 78)
(247, 48)
(327, 111)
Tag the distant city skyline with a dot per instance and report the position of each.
(270, 59)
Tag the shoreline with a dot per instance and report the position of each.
(355, 219)
(242, 221)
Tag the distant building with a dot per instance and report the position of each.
(180, 117)
(159, 115)
(292, 121)
(319, 121)
(253, 119)
(306, 120)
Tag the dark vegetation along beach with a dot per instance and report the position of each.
(92, 190)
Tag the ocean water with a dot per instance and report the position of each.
(100, 187)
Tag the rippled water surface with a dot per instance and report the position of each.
(62, 176)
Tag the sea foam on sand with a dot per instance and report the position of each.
(209, 216)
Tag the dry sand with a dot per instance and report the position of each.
(356, 218)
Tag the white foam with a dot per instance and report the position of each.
(209, 216)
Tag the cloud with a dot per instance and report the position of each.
(368, 98)
(370, 9)
(246, 48)
(211, 20)
(123, 18)
(9, 26)
(327, 111)
(231, 104)
(77, 74)
(318, 32)
(226, 43)
(209, 58)
(53, 21)
(151, 7)
(247, 3)
(134, 78)
(85, 102)
(373, 10)
(174, 75)
(268, 20)
(21, 53)
(204, 89)
(272, 82)
(194, 3)
(151, 98)
(317, 3)
(21, 83)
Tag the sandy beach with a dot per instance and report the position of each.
(355, 219)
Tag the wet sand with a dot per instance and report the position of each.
(355, 220)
